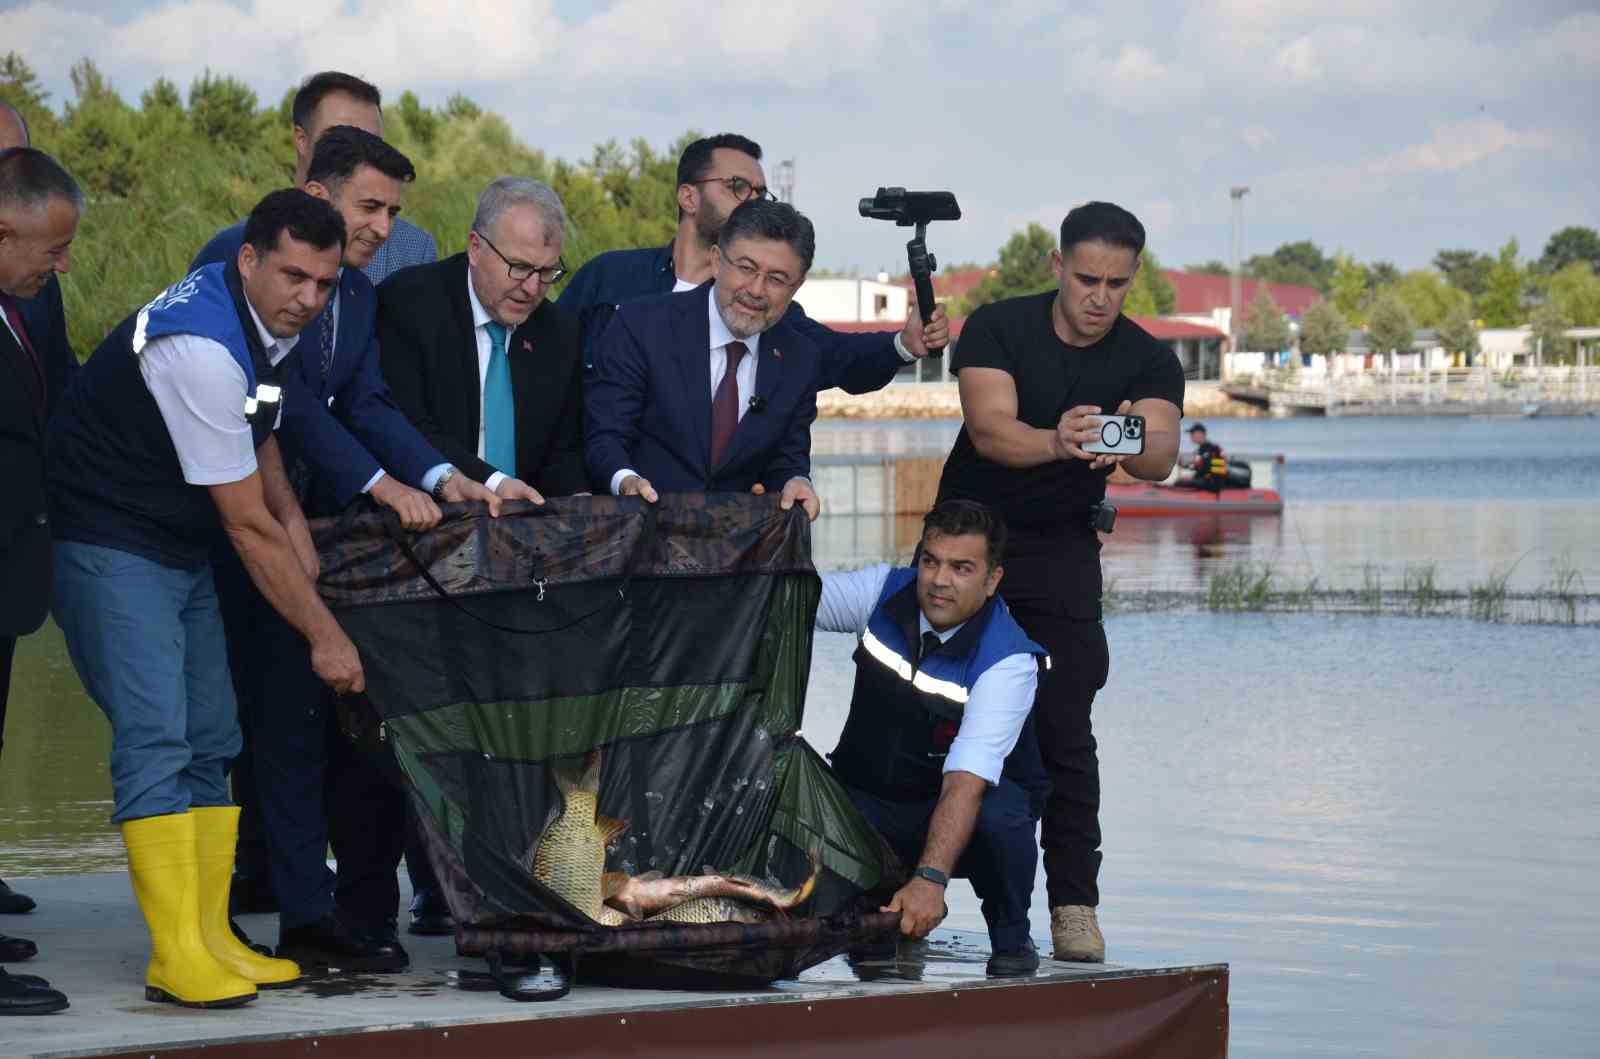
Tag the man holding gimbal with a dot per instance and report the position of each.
(1034, 373)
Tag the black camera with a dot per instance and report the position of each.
(908, 208)
(1103, 517)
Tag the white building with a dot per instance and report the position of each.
(854, 301)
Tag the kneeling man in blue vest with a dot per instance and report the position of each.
(938, 752)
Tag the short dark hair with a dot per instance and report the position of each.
(1102, 222)
(695, 162)
(29, 178)
(767, 219)
(344, 148)
(1198, 426)
(306, 218)
(957, 518)
(27, 137)
(317, 86)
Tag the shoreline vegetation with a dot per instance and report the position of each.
(1243, 588)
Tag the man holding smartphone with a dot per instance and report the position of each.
(1035, 375)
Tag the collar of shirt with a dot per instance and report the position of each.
(944, 635)
(721, 336)
(276, 348)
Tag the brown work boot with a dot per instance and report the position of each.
(1077, 935)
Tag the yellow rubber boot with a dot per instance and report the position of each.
(166, 881)
(216, 833)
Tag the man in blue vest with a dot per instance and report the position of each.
(345, 439)
(715, 175)
(938, 752)
(164, 439)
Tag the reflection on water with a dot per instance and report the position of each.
(1388, 826)
(55, 785)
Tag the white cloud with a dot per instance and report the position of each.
(1457, 146)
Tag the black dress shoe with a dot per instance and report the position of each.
(19, 997)
(1014, 963)
(431, 917)
(13, 949)
(12, 902)
(329, 944)
(244, 939)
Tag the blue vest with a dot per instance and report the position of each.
(115, 479)
(906, 710)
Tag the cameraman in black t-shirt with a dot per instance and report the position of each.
(1034, 373)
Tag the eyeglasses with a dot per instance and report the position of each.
(740, 188)
(751, 275)
(521, 270)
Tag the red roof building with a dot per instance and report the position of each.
(1201, 293)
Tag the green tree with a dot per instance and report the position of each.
(1459, 334)
(1348, 290)
(1301, 263)
(1500, 305)
(1210, 268)
(1324, 330)
(19, 86)
(1265, 328)
(223, 109)
(1428, 296)
(1024, 268)
(1569, 245)
(1381, 274)
(1547, 337)
(1152, 294)
(1465, 270)
(1575, 290)
(1392, 328)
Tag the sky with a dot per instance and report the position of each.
(1384, 129)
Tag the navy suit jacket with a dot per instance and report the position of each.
(856, 363)
(25, 561)
(648, 401)
(347, 426)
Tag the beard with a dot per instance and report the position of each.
(708, 223)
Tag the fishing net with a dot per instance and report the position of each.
(669, 644)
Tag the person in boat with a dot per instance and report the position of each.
(1205, 451)
(938, 751)
(1034, 373)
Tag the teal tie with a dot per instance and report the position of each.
(499, 410)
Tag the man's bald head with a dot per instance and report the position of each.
(13, 129)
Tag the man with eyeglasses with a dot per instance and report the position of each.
(481, 360)
(727, 348)
(715, 175)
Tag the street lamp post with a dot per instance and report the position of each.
(1237, 194)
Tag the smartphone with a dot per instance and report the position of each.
(1119, 436)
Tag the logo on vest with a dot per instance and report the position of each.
(178, 294)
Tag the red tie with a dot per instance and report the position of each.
(9, 306)
(725, 404)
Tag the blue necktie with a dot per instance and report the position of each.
(499, 410)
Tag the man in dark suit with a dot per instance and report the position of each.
(485, 365)
(715, 175)
(346, 438)
(35, 365)
(712, 389)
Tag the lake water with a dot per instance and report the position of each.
(1390, 827)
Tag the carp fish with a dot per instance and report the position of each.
(571, 860)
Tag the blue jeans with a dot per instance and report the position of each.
(999, 861)
(147, 642)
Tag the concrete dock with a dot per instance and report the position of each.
(933, 1002)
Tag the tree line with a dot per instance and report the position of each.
(162, 175)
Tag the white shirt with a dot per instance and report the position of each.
(200, 390)
(744, 377)
(480, 334)
(998, 702)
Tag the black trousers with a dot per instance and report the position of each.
(1058, 608)
(369, 823)
(8, 648)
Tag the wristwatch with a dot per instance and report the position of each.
(438, 486)
(933, 875)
